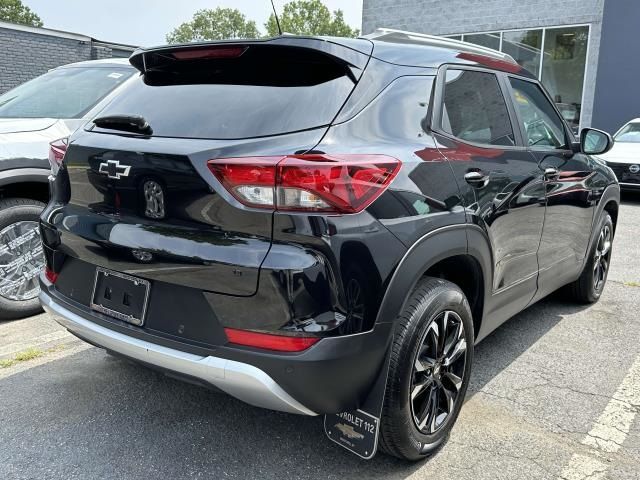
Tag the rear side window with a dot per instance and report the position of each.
(542, 125)
(474, 108)
(267, 90)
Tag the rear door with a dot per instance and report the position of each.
(501, 184)
(570, 184)
(147, 204)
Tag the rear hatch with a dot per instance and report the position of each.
(141, 199)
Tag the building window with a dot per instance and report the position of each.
(563, 68)
(489, 40)
(557, 56)
(525, 47)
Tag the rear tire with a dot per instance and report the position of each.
(13, 211)
(589, 286)
(437, 313)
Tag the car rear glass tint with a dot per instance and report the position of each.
(63, 93)
(266, 91)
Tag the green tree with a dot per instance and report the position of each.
(217, 24)
(15, 12)
(310, 17)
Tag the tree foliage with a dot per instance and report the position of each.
(214, 24)
(310, 17)
(15, 12)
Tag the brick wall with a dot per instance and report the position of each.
(26, 53)
(443, 17)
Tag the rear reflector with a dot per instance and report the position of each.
(57, 151)
(268, 341)
(50, 275)
(315, 183)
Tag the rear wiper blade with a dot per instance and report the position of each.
(126, 123)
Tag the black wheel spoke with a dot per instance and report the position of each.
(601, 258)
(452, 380)
(459, 350)
(425, 414)
(421, 388)
(433, 411)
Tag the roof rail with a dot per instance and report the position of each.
(400, 36)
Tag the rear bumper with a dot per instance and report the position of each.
(334, 375)
(243, 381)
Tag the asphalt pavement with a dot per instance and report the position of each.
(555, 394)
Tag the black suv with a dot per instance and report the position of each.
(325, 225)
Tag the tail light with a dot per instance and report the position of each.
(208, 53)
(57, 151)
(268, 341)
(316, 183)
(50, 275)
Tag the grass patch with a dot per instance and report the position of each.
(29, 354)
(631, 284)
(6, 363)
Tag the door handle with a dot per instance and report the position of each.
(551, 173)
(477, 179)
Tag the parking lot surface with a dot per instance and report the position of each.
(555, 393)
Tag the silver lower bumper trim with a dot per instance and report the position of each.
(243, 381)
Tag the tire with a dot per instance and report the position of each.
(12, 211)
(400, 433)
(586, 289)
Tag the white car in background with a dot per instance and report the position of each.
(32, 116)
(624, 157)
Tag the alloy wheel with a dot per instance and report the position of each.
(601, 260)
(21, 260)
(438, 372)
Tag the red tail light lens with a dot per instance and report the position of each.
(269, 341)
(57, 151)
(317, 183)
(50, 275)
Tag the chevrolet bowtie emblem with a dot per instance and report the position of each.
(113, 169)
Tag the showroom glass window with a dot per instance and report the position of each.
(556, 55)
(474, 108)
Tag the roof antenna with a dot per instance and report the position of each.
(277, 19)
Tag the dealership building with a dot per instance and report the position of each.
(585, 52)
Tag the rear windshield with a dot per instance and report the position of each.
(63, 93)
(264, 91)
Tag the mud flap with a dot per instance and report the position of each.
(358, 430)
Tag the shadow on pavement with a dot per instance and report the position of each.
(100, 417)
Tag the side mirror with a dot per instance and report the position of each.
(595, 142)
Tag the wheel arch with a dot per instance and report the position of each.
(458, 253)
(609, 202)
(29, 183)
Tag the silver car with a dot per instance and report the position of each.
(32, 116)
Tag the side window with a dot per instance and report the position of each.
(474, 108)
(542, 125)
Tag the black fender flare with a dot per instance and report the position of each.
(442, 243)
(611, 192)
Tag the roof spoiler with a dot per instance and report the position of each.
(354, 53)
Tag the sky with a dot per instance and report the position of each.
(146, 22)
